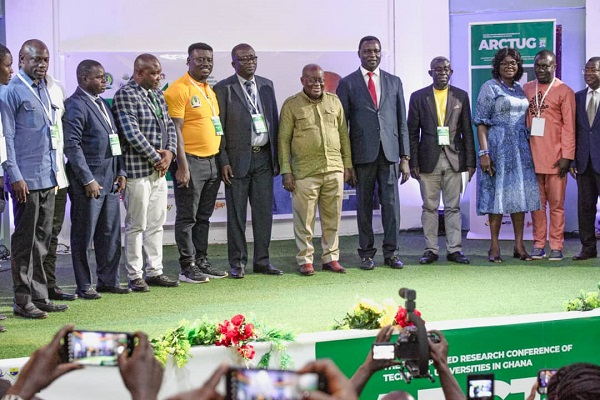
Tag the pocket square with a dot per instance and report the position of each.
(457, 106)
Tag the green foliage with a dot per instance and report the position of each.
(204, 332)
(585, 301)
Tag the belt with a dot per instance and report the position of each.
(200, 157)
(257, 149)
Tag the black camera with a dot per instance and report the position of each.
(412, 346)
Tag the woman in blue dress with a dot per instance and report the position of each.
(506, 182)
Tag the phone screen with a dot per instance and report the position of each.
(544, 376)
(97, 347)
(480, 386)
(247, 384)
(383, 351)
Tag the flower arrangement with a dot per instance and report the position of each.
(367, 314)
(585, 301)
(237, 333)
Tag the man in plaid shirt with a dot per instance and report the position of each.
(149, 146)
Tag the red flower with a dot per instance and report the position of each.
(402, 317)
(238, 320)
(247, 351)
(248, 331)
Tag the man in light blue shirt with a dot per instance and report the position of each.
(30, 128)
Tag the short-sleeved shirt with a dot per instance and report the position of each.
(196, 104)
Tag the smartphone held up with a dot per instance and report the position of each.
(98, 348)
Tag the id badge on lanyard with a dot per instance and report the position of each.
(54, 135)
(443, 133)
(217, 124)
(259, 124)
(115, 144)
(537, 126)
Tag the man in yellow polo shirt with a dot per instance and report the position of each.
(194, 109)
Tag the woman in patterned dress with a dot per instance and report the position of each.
(506, 182)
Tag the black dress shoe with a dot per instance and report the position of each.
(237, 273)
(394, 262)
(29, 310)
(48, 306)
(367, 263)
(112, 289)
(57, 293)
(582, 255)
(267, 270)
(457, 257)
(428, 257)
(89, 294)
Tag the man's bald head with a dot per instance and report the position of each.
(313, 81)
(147, 71)
(34, 59)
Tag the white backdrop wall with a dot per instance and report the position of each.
(412, 33)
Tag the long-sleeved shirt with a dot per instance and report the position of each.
(313, 136)
(558, 111)
(27, 116)
(144, 132)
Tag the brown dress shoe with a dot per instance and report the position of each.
(307, 269)
(334, 266)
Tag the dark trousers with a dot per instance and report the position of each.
(385, 174)
(195, 205)
(257, 187)
(29, 245)
(588, 189)
(57, 222)
(97, 222)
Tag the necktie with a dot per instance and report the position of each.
(250, 91)
(157, 109)
(591, 108)
(371, 86)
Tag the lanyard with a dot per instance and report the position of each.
(210, 103)
(253, 103)
(103, 111)
(439, 108)
(537, 106)
(49, 111)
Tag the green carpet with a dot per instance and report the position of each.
(445, 291)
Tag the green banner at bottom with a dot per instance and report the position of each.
(513, 353)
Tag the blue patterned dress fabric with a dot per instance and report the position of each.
(514, 187)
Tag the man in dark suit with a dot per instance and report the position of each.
(97, 178)
(373, 102)
(586, 167)
(248, 159)
(442, 147)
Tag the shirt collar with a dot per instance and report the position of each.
(243, 81)
(26, 77)
(364, 71)
(88, 94)
(590, 90)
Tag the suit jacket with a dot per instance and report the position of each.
(587, 137)
(422, 129)
(367, 125)
(87, 145)
(235, 114)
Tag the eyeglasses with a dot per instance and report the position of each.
(246, 59)
(201, 60)
(312, 81)
(590, 71)
(542, 67)
(440, 70)
(508, 63)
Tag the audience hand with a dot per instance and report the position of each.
(20, 191)
(122, 182)
(165, 161)
(92, 189)
(226, 174)
(208, 391)
(338, 385)
(350, 176)
(142, 373)
(289, 183)
(43, 368)
(438, 351)
(415, 173)
(404, 171)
